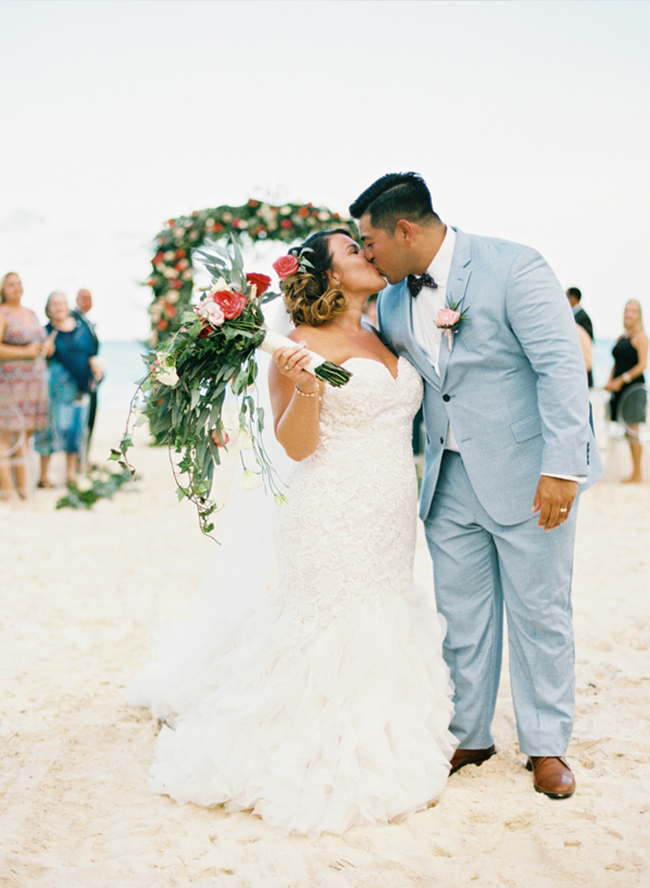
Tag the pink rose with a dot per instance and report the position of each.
(447, 318)
(220, 439)
(210, 312)
(285, 266)
(231, 304)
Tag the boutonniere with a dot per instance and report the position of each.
(449, 320)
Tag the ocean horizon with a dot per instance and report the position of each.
(124, 368)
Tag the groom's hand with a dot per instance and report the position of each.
(553, 500)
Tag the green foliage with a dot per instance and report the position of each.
(97, 484)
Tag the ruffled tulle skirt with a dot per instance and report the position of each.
(315, 728)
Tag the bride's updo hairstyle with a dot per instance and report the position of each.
(309, 295)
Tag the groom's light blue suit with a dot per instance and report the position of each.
(514, 389)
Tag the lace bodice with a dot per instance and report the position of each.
(348, 532)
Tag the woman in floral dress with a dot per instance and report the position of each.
(23, 380)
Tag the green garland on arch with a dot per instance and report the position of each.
(173, 271)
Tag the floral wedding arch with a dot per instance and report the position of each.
(172, 276)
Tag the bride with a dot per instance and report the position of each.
(328, 705)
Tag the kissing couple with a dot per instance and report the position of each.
(345, 698)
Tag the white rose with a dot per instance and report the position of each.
(244, 440)
(83, 485)
(168, 376)
(169, 256)
(250, 480)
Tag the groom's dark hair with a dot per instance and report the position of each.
(393, 197)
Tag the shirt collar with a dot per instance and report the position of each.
(439, 268)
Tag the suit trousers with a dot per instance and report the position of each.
(482, 569)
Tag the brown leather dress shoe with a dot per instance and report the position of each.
(552, 776)
(476, 757)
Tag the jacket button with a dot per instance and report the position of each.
(445, 398)
(442, 440)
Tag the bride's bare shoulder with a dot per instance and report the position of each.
(315, 337)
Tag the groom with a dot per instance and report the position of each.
(509, 443)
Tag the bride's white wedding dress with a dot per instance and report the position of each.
(328, 706)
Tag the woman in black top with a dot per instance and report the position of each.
(630, 360)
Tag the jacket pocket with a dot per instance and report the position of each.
(526, 428)
(485, 330)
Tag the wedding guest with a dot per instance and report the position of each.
(630, 360)
(587, 348)
(81, 311)
(582, 319)
(23, 380)
(72, 375)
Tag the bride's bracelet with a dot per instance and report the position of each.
(315, 394)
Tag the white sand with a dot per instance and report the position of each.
(82, 593)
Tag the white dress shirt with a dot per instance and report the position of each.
(426, 306)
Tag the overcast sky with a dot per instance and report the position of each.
(528, 119)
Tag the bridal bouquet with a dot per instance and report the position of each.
(189, 375)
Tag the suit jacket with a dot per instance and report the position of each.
(85, 320)
(581, 317)
(513, 386)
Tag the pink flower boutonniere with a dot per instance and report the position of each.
(449, 320)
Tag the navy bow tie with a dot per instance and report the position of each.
(415, 284)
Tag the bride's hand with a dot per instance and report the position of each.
(291, 361)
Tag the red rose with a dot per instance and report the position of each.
(261, 282)
(162, 325)
(181, 254)
(176, 285)
(285, 266)
(286, 223)
(303, 211)
(170, 310)
(158, 259)
(231, 304)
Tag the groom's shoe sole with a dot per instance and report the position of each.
(476, 757)
(552, 776)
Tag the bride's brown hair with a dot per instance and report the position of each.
(309, 295)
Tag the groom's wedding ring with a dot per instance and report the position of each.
(562, 510)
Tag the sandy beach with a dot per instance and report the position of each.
(83, 592)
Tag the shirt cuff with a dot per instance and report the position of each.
(579, 478)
